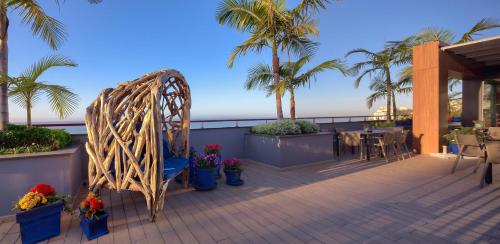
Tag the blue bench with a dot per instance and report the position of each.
(173, 166)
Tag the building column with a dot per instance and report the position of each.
(430, 98)
(471, 101)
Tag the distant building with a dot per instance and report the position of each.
(381, 112)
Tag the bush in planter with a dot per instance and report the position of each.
(21, 139)
(286, 127)
(39, 213)
(94, 220)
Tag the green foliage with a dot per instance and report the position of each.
(382, 123)
(307, 127)
(286, 127)
(451, 136)
(21, 139)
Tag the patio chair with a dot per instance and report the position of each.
(401, 139)
(493, 157)
(493, 134)
(469, 146)
(352, 140)
(384, 142)
(138, 136)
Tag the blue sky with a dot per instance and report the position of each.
(120, 40)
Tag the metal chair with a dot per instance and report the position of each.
(384, 142)
(401, 139)
(493, 157)
(493, 134)
(469, 146)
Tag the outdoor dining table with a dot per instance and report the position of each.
(365, 136)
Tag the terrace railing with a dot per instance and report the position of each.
(234, 123)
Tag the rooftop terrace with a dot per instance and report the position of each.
(411, 201)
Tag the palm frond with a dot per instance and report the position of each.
(482, 25)
(259, 76)
(244, 15)
(306, 5)
(312, 73)
(254, 43)
(61, 99)
(38, 68)
(47, 28)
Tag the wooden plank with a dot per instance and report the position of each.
(136, 230)
(151, 230)
(118, 219)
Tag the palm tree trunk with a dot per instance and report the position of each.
(389, 93)
(4, 58)
(292, 103)
(394, 107)
(276, 65)
(28, 115)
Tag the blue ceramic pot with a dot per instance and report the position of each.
(40, 223)
(453, 148)
(205, 179)
(233, 177)
(95, 227)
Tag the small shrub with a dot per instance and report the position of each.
(285, 127)
(20, 139)
(307, 127)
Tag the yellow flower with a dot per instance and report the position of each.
(31, 200)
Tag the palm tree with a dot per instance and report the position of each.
(379, 88)
(377, 64)
(404, 47)
(261, 76)
(26, 89)
(47, 28)
(267, 21)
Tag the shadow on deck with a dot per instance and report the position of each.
(411, 201)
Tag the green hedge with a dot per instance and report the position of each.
(286, 127)
(20, 139)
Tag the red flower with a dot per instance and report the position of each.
(95, 205)
(46, 190)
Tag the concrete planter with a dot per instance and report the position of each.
(287, 151)
(20, 172)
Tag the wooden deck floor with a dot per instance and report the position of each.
(410, 201)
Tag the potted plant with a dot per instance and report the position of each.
(451, 137)
(232, 170)
(205, 172)
(215, 149)
(93, 218)
(39, 213)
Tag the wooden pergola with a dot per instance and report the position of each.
(434, 63)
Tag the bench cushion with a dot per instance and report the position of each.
(174, 166)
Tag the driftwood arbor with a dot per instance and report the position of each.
(125, 134)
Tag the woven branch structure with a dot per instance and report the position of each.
(125, 129)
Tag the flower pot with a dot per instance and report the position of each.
(453, 148)
(233, 177)
(205, 179)
(40, 223)
(93, 228)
